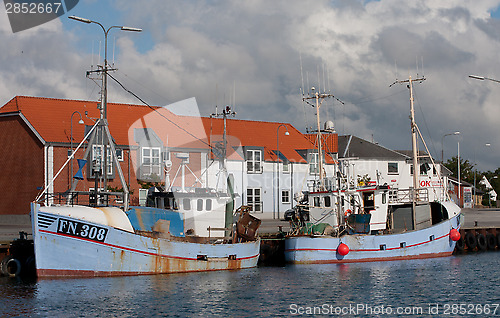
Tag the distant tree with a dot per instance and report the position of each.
(466, 169)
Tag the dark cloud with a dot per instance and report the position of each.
(406, 49)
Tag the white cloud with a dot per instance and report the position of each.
(357, 50)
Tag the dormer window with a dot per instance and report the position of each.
(254, 161)
(150, 157)
(313, 163)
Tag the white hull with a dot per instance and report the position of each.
(67, 246)
(426, 243)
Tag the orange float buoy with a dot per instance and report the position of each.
(454, 235)
(343, 249)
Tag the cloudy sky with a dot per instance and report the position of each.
(258, 55)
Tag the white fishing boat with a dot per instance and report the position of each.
(78, 233)
(339, 223)
(77, 241)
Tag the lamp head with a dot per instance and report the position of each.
(80, 19)
(125, 28)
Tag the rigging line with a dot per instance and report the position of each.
(141, 84)
(156, 110)
(362, 101)
(425, 122)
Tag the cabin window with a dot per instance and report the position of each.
(186, 204)
(209, 204)
(384, 198)
(328, 201)
(254, 161)
(150, 158)
(317, 202)
(254, 199)
(393, 195)
(285, 196)
(392, 168)
(199, 204)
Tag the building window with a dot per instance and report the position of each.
(285, 196)
(151, 161)
(392, 168)
(254, 161)
(313, 163)
(254, 199)
(119, 154)
(97, 156)
(286, 166)
(424, 168)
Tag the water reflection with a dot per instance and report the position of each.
(265, 291)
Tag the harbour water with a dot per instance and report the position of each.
(463, 285)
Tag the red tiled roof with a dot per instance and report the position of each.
(330, 142)
(260, 134)
(51, 119)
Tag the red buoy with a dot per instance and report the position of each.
(454, 235)
(343, 249)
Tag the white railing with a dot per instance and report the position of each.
(408, 195)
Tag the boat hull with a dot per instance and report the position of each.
(426, 243)
(71, 247)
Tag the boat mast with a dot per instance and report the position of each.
(319, 98)
(414, 145)
(106, 138)
(227, 111)
(414, 131)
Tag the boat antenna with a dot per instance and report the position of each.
(302, 93)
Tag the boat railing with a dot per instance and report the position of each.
(88, 198)
(408, 195)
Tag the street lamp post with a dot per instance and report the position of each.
(475, 172)
(278, 162)
(104, 91)
(442, 144)
(81, 122)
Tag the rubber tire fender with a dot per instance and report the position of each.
(460, 245)
(470, 241)
(491, 241)
(10, 266)
(481, 242)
